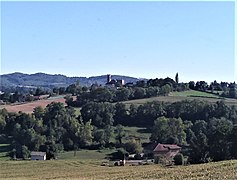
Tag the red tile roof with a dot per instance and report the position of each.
(166, 147)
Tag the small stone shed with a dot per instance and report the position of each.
(38, 155)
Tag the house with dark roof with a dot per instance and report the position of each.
(166, 152)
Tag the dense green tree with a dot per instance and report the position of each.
(101, 114)
(166, 128)
(233, 90)
(38, 112)
(141, 83)
(39, 91)
(165, 90)
(73, 89)
(201, 86)
(69, 100)
(191, 85)
(2, 124)
(198, 142)
(109, 133)
(161, 82)
(99, 136)
(139, 93)
(121, 115)
(152, 91)
(101, 94)
(62, 90)
(119, 133)
(219, 131)
(86, 134)
(132, 111)
(133, 147)
(122, 94)
(233, 139)
(25, 152)
(147, 113)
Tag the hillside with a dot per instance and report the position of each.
(185, 95)
(87, 169)
(173, 97)
(49, 81)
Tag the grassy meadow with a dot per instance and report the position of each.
(193, 93)
(4, 149)
(185, 95)
(91, 155)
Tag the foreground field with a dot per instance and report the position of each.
(78, 169)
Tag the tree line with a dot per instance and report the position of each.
(223, 89)
(205, 131)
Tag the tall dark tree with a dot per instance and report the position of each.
(177, 78)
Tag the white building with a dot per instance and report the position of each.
(38, 155)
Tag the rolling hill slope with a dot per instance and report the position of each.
(186, 95)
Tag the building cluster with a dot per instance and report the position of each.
(114, 82)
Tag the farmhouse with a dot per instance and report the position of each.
(166, 151)
(38, 155)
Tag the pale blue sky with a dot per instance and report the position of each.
(139, 39)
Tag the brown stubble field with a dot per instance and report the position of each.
(29, 107)
(78, 169)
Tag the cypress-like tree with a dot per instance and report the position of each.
(177, 78)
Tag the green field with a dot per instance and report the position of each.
(186, 95)
(79, 169)
(137, 133)
(192, 93)
(91, 155)
(56, 97)
(131, 132)
(4, 149)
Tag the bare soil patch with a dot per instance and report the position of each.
(29, 107)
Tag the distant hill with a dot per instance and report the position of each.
(50, 81)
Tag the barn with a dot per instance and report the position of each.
(165, 152)
(38, 155)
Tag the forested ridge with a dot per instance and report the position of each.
(19, 81)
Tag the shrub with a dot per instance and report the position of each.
(179, 159)
(119, 154)
(133, 147)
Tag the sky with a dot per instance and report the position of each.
(138, 39)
